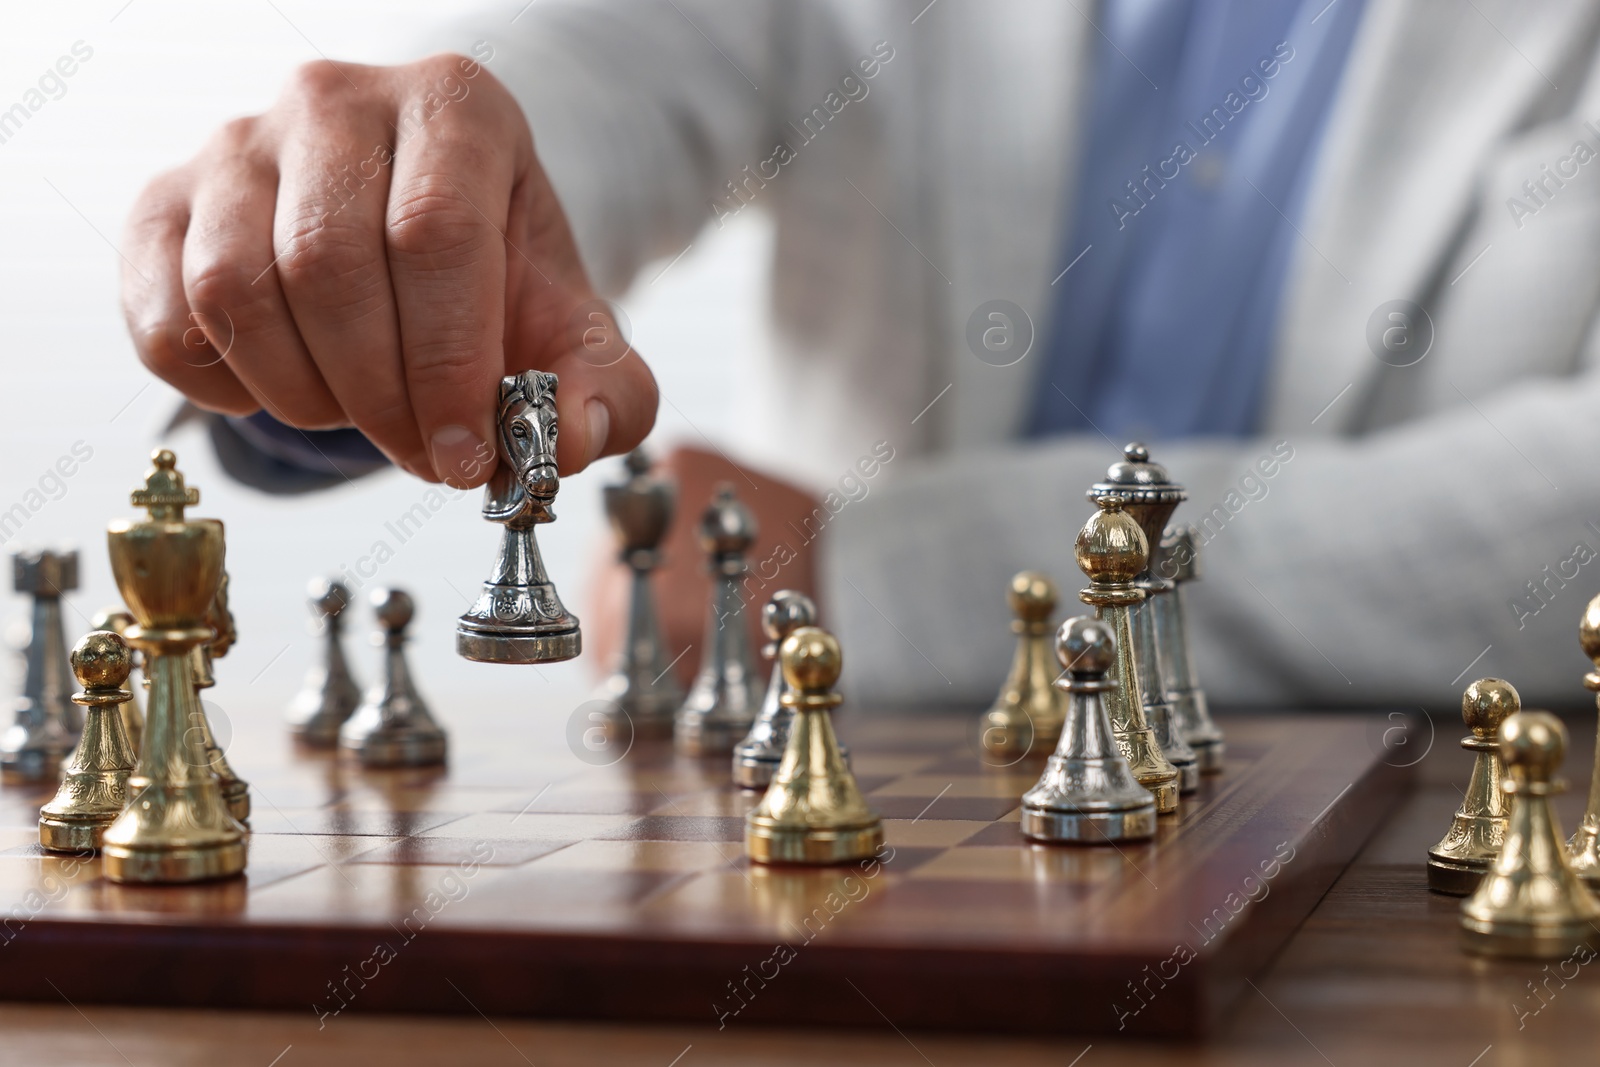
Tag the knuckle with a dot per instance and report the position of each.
(444, 362)
(234, 137)
(429, 218)
(222, 284)
(317, 80)
(331, 264)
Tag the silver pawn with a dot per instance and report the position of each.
(1179, 563)
(1087, 793)
(393, 727)
(330, 694)
(643, 690)
(721, 705)
(47, 722)
(1150, 497)
(758, 755)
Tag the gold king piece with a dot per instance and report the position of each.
(1111, 549)
(1149, 497)
(1458, 862)
(813, 812)
(1584, 848)
(169, 569)
(1028, 713)
(94, 789)
(1531, 904)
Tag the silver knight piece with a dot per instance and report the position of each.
(1179, 563)
(759, 754)
(47, 722)
(721, 705)
(518, 618)
(330, 693)
(1150, 498)
(1088, 793)
(643, 688)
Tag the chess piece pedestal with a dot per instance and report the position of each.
(168, 568)
(643, 689)
(1466, 852)
(329, 695)
(393, 727)
(722, 702)
(1028, 712)
(1530, 903)
(756, 758)
(813, 812)
(1087, 794)
(94, 789)
(519, 617)
(47, 723)
(1111, 549)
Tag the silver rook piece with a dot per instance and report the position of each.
(642, 689)
(1179, 563)
(47, 722)
(722, 703)
(1150, 497)
(518, 618)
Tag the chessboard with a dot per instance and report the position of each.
(522, 881)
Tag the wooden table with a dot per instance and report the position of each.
(1373, 977)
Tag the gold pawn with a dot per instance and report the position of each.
(813, 812)
(176, 827)
(94, 789)
(1584, 848)
(1111, 549)
(1457, 863)
(132, 715)
(1530, 904)
(1028, 713)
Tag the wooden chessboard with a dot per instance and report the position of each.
(525, 882)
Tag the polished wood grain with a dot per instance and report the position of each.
(1374, 976)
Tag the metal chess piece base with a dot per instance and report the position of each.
(78, 834)
(771, 843)
(33, 764)
(393, 745)
(1010, 732)
(1453, 877)
(1089, 827)
(1209, 755)
(648, 710)
(501, 647)
(236, 796)
(199, 863)
(701, 735)
(1532, 941)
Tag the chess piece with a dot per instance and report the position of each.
(1530, 903)
(1111, 549)
(1584, 848)
(393, 726)
(117, 621)
(518, 618)
(47, 724)
(756, 758)
(330, 694)
(642, 689)
(813, 812)
(168, 569)
(1087, 793)
(1028, 713)
(1149, 497)
(235, 790)
(1457, 863)
(1179, 563)
(94, 789)
(721, 705)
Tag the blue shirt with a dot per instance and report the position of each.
(1203, 129)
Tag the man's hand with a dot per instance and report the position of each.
(376, 251)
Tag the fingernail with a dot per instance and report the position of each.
(457, 455)
(598, 416)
